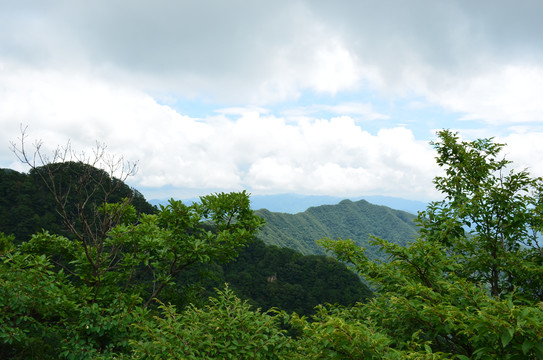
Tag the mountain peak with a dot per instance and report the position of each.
(347, 219)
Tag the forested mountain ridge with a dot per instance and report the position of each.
(354, 220)
(26, 205)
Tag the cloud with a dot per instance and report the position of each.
(338, 157)
(362, 111)
(525, 149)
(482, 58)
(267, 51)
(92, 71)
(234, 149)
(318, 156)
(261, 53)
(509, 94)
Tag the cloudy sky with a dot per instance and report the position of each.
(309, 97)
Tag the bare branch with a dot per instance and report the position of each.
(81, 183)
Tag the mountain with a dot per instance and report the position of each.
(348, 220)
(27, 206)
(295, 203)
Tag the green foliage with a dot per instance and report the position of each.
(75, 298)
(144, 258)
(419, 293)
(24, 210)
(226, 328)
(45, 316)
(215, 228)
(279, 277)
(103, 331)
(355, 220)
(502, 210)
(35, 305)
(6, 243)
(27, 205)
(272, 277)
(470, 286)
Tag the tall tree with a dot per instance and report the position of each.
(469, 287)
(491, 217)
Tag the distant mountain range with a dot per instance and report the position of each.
(348, 220)
(293, 203)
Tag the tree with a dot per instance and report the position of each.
(469, 287)
(35, 302)
(78, 296)
(81, 189)
(87, 316)
(491, 218)
(213, 230)
(226, 328)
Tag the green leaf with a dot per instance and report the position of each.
(507, 336)
(527, 346)
(538, 348)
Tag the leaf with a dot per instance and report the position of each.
(462, 357)
(427, 348)
(527, 346)
(539, 349)
(507, 336)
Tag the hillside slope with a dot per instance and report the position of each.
(27, 207)
(353, 220)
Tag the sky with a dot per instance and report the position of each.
(306, 97)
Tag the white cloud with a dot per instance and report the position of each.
(503, 95)
(262, 53)
(335, 69)
(233, 150)
(362, 111)
(266, 51)
(85, 71)
(525, 150)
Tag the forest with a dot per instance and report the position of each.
(302, 282)
(348, 219)
(89, 270)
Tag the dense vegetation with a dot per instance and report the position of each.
(301, 283)
(354, 220)
(27, 207)
(470, 286)
(270, 276)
